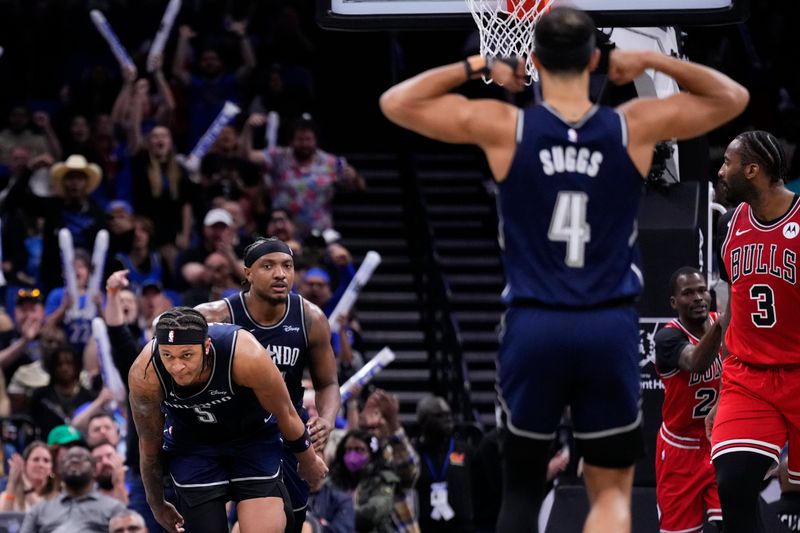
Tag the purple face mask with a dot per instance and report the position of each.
(355, 461)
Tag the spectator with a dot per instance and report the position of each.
(218, 282)
(109, 471)
(30, 478)
(79, 507)
(380, 417)
(58, 308)
(102, 428)
(303, 177)
(20, 346)
(73, 182)
(143, 261)
(332, 507)
(219, 235)
(161, 189)
(19, 133)
(62, 438)
(152, 302)
(120, 227)
(444, 486)
(57, 403)
(358, 468)
(127, 521)
(213, 85)
(154, 109)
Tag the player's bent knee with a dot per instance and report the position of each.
(614, 451)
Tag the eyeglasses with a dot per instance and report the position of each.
(29, 293)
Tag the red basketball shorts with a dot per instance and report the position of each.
(686, 485)
(759, 412)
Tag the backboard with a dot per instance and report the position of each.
(427, 14)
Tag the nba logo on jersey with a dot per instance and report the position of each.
(791, 230)
(572, 135)
(171, 336)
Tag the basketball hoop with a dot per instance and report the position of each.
(506, 28)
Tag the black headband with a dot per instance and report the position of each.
(561, 55)
(180, 336)
(265, 247)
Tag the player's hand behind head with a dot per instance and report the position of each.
(511, 78)
(624, 66)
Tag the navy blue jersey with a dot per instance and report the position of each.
(221, 411)
(286, 340)
(568, 210)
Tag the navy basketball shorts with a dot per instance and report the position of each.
(235, 470)
(587, 360)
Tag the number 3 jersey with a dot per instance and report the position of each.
(568, 210)
(220, 411)
(688, 396)
(761, 265)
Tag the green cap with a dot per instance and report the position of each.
(64, 434)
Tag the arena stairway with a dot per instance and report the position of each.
(462, 216)
(388, 307)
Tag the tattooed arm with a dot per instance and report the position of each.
(145, 397)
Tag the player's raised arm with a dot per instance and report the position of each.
(322, 365)
(253, 368)
(145, 399)
(425, 105)
(709, 100)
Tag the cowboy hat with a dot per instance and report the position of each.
(76, 163)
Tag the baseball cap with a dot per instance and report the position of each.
(119, 204)
(29, 295)
(64, 434)
(217, 216)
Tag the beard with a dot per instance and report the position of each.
(77, 480)
(104, 480)
(738, 189)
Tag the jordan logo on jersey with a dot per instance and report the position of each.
(754, 258)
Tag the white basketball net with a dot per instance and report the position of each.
(507, 26)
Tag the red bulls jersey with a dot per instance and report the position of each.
(688, 396)
(761, 263)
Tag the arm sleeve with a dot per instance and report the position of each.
(124, 349)
(669, 345)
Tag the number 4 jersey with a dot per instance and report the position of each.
(761, 264)
(568, 210)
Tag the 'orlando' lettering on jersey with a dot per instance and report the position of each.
(286, 340)
(221, 410)
(566, 195)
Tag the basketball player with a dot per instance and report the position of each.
(296, 333)
(759, 406)
(219, 391)
(570, 177)
(687, 360)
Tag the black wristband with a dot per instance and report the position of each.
(485, 71)
(299, 445)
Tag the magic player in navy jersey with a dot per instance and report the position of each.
(296, 334)
(570, 177)
(204, 398)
